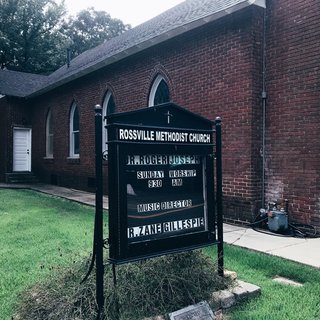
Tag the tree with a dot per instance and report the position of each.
(35, 34)
(30, 35)
(91, 28)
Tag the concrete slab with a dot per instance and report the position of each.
(67, 193)
(287, 282)
(249, 238)
(305, 251)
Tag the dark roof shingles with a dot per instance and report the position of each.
(20, 84)
(179, 16)
(182, 14)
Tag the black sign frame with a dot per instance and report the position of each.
(163, 130)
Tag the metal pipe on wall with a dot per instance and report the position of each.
(264, 106)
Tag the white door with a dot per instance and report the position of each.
(21, 149)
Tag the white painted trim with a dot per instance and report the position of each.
(104, 114)
(27, 151)
(154, 88)
(48, 135)
(259, 3)
(71, 132)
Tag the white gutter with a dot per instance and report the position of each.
(259, 3)
(148, 44)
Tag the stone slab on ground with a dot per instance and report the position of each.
(223, 299)
(200, 311)
(232, 275)
(239, 292)
(252, 290)
(287, 282)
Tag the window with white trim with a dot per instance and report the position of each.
(108, 107)
(159, 92)
(74, 132)
(49, 135)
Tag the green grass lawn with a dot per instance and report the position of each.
(277, 301)
(39, 233)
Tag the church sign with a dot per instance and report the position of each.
(161, 188)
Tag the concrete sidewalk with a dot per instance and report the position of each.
(67, 193)
(306, 251)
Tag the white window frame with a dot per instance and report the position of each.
(104, 122)
(49, 136)
(72, 133)
(154, 89)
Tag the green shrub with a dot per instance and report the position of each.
(147, 288)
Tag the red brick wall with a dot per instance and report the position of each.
(61, 169)
(293, 131)
(3, 137)
(213, 71)
(14, 113)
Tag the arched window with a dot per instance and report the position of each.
(74, 132)
(159, 92)
(108, 108)
(49, 136)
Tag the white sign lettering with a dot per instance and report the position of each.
(163, 136)
(156, 159)
(165, 205)
(177, 182)
(165, 227)
(150, 174)
(155, 183)
(136, 135)
(182, 173)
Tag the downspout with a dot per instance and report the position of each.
(264, 106)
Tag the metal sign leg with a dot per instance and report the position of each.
(98, 238)
(219, 197)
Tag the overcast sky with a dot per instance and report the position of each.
(131, 12)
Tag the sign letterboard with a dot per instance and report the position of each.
(160, 182)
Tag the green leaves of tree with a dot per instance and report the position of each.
(90, 28)
(35, 34)
(30, 31)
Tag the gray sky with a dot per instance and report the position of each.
(131, 12)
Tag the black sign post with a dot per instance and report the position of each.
(219, 197)
(161, 183)
(98, 227)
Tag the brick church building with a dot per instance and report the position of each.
(254, 63)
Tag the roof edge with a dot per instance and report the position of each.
(148, 44)
(259, 3)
